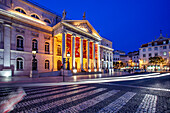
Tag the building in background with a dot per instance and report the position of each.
(120, 59)
(26, 27)
(159, 47)
(134, 59)
(106, 55)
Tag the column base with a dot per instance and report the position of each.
(6, 72)
(34, 74)
(74, 70)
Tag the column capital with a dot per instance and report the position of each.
(74, 35)
(64, 31)
(81, 38)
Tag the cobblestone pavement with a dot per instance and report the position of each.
(91, 98)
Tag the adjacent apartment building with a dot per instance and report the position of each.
(158, 47)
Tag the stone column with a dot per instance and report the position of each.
(94, 60)
(7, 71)
(73, 53)
(99, 56)
(63, 47)
(81, 53)
(88, 55)
(106, 60)
(109, 61)
(7, 45)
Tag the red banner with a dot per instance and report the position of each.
(68, 44)
(77, 47)
(84, 49)
(90, 48)
(96, 51)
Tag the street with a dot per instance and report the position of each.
(145, 95)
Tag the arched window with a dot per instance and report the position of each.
(47, 21)
(59, 50)
(20, 10)
(34, 64)
(47, 48)
(35, 45)
(35, 16)
(19, 63)
(20, 43)
(47, 64)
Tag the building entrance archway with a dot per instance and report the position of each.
(58, 65)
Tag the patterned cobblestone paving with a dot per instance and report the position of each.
(90, 98)
(148, 104)
(118, 104)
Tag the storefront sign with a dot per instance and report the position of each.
(77, 47)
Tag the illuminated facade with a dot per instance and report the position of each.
(25, 27)
(159, 47)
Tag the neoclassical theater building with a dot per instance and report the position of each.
(27, 27)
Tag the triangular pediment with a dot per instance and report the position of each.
(83, 25)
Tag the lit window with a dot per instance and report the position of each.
(35, 45)
(20, 10)
(47, 48)
(20, 43)
(149, 49)
(19, 63)
(144, 50)
(35, 16)
(164, 42)
(156, 48)
(164, 47)
(47, 64)
(164, 53)
(47, 21)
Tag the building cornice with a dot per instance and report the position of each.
(23, 18)
(80, 30)
(105, 47)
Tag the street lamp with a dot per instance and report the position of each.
(68, 56)
(34, 61)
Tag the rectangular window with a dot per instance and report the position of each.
(144, 55)
(149, 49)
(156, 48)
(156, 54)
(164, 47)
(155, 43)
(144, 50)
(149, 45)
(150, 55)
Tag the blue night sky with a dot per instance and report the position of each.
(127, 23)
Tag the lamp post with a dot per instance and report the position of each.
(68, 56)
(33, 64)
